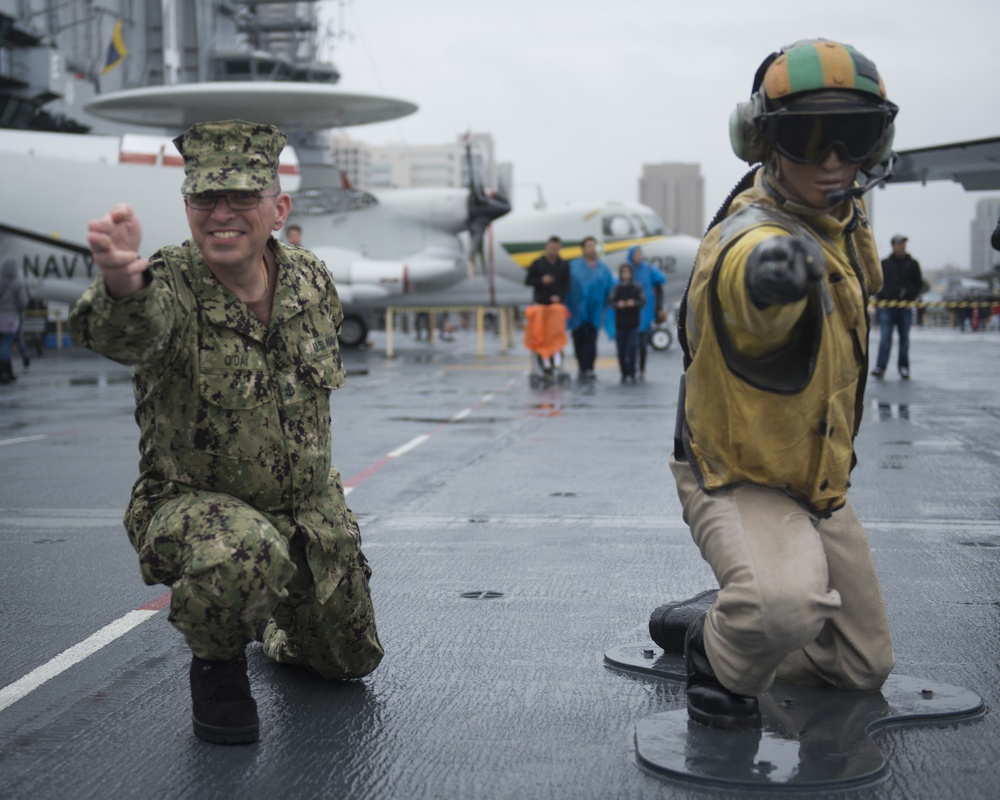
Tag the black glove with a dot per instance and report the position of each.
(780, 270)
(995, 238)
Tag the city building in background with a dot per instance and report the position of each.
(676, 192)
(402, 166)
(353, 159)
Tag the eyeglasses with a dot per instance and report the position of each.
(806, 138)
(237, 201)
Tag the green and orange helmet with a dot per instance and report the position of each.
(820, 65)
(817, 94)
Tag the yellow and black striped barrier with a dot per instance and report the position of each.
(934, 303)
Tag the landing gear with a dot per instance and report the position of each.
(661, 338)
(353, 331)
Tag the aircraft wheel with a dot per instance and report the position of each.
(661, 338)
(353, 331)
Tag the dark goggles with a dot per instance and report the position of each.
(807, 137)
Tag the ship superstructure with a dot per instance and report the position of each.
(57, 56)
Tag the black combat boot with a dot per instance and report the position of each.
(224, 711)
(668, 624)
(6, 372)
(709, 702)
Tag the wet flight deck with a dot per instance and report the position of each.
(516, 534)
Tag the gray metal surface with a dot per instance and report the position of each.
(531, 531)
(809, 739)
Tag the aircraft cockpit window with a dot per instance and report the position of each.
(651, 224)
(619, 226)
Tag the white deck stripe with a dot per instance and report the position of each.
(410, 445)
(68, 658)
(20, 439)
(62, 662)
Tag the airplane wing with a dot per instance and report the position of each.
(974, 164)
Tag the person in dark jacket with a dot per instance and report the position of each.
(902, 281)
(13, 302)
(549, 274)
(628, 300)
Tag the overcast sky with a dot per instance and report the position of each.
(579, 95)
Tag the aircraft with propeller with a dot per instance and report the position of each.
(399, 248)
(405, 247)
(71, 178)
(262, 61)
(266, 62)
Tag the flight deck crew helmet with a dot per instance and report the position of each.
(809, 97)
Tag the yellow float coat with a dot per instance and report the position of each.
(774, 396)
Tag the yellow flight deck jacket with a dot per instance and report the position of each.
(774, 396)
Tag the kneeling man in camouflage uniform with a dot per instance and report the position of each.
(232, 337)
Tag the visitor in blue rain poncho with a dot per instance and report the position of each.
(590, 282)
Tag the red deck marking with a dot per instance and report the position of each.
(156, 604)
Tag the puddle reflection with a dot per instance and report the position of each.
(545, 410)
(893, 410)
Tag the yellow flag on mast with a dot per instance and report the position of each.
(116, 50)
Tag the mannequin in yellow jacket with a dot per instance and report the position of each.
(775, 393)
(775, 331)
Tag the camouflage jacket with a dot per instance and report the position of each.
(223, 403)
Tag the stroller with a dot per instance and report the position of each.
(545, 336)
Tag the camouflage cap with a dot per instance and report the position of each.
(232, 155)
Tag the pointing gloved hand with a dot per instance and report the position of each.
(780, 270)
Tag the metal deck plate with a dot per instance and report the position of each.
(810, 738)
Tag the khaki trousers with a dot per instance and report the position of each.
(799, 597)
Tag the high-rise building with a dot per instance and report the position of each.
(431, 165)
(399, 166)
(676, 192)
(353, 159)
(982, 256)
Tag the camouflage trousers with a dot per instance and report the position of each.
(230, 567)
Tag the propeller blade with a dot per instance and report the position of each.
(477, 234)
(484, 207)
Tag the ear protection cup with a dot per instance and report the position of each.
(744, 137)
